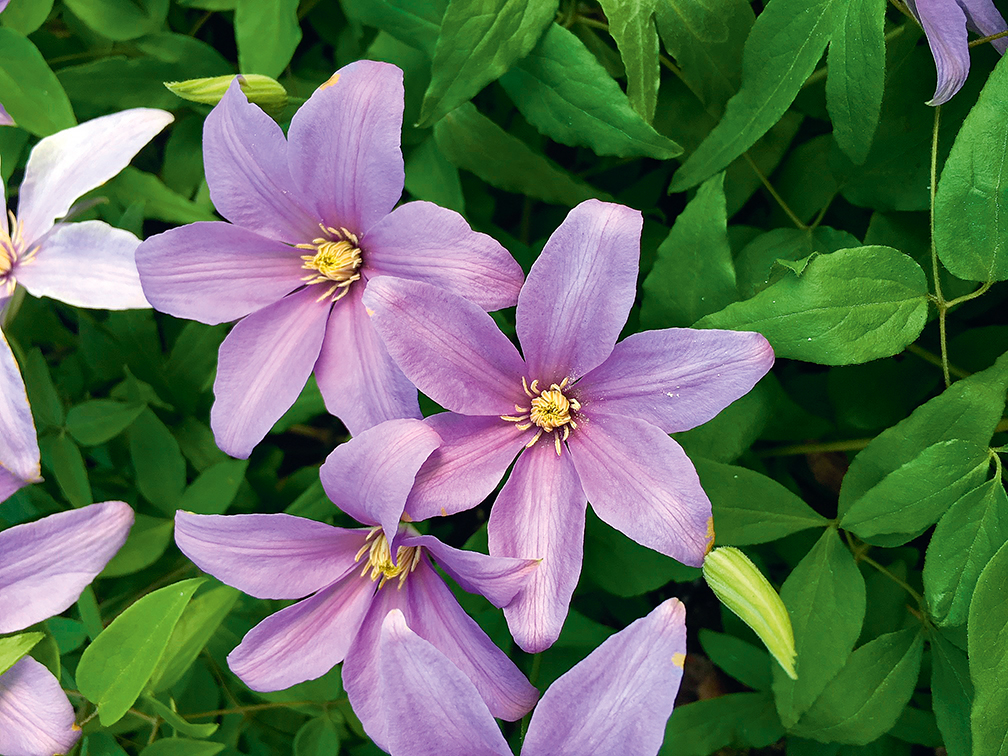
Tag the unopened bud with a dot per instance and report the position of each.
(741, 587)
(265, 92)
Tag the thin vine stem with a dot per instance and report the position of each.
(991, 38)
(939, 299)
(793, 450)
(773, 193)
(860, 555)
(935, 360)
(256, 707)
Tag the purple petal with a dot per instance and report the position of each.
(983, 17)
(215, 272)
(499, 579)
(678, 378)
(642, 483)
(619, 698)
(436, 708)
(944, 24)
(305, 640)
(245, 157)
(344, 151)
(71, 162)
(5, 119)
(436, 617)
(370, 476)
(579, 292)
(450, 348)
(475, 453)
(360, 382)
(263, 364)
(269, 556)
(19, 451)
(540, 514)
(87, 264)
(44, 565)
(36, 719)
(9, 484)
(424, 242)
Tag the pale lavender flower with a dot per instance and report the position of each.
(353, 578)
(945, 23)
(5, 118)
(312, 220)
(610, 406)
(615, 701)
(44, 566)
(19, 451)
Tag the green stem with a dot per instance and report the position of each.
(773, 192)
(972, 295)
(939, 299)
(854, 444)
(255, 707)
(985, 40)
(902, 9)
(533, 676)
(860, 555)
(935, 360)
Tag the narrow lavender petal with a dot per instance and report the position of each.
(19, 451)
(678, 378)
(370, 476)
(579, 292)
(475, 453)
(87, 264)
(44, 565)
(424, 242)
(435, 616)
(360, 382)
(344, 152)
(436, 708)
(36, 719)
(499, 579)
(263, 364)
(245, 158)
(540, 514)
(983, 17)
(450, 348)
(71, 162)
(215, 272)
(9, 484)
(944, 24)
(5, 118)
(619, 698)
(305, 640)
(269, 556)
(642, 483)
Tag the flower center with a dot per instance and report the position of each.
(11, 244)
(379, 560)
(550, 410)
(335, 261)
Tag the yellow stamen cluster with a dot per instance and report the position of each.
(10, 251)
(550, 410)
(336, 261)
(379, 560)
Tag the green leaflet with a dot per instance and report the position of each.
(563, 91)
(121, 21)
(951, 694)
(742, 660)
(856, 74)
(61, 455)
(703, 727)
(317, 737)
(429, 176)
(148, 539)
(13, 647)
(25, 16)
(266, 32)
(480, 40)
(786, 42)
(216, 487)
(157, 461)
(971, 225)
(988, 657)
(99, 420)
(415, 22)
(632, 25)
(29, 90)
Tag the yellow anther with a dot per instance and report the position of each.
(336, 262)
(379, 559)
(550, 411)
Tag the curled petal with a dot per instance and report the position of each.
(275, 556)
(44, 565)
(36, 719)
(983, 17)
(944, 24)
(19, 451)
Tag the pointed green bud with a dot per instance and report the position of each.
(265, 92)
(741, 587)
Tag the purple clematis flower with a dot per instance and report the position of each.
(44, 566)
(353, 578)
(5, 119)
(19, 451)
(615, 701)
(312, 221)
(945, 23)
(590, 417)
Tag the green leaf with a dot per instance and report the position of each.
(158, 462)
(694, 274)
(214, 490)
(147, 541)
(317, 737)
(632, 25)
(182, 747)
(988, 657)
(120, 21)
(47, 408)
(118, 82)
(912, 497)
(847, 307)
(115, 668)
(785, 45)
(13, 647)
(750, 507)
(562, 90)
(743, 661)
(743, 720)
(415, 22)
(160, 201)
(825, 590)
(855, 75)
(867, 696)
(267, 33)
(970, 227)
(176, 722)
(26, 16)
(736, 427)
(429, 176)
(480, 40)
(473, 142)
(966, 539)
(99, 420)
(763, 260)
(61, 455)
(951, 695)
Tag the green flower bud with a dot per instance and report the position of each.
(265, 92)
(741, 587)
